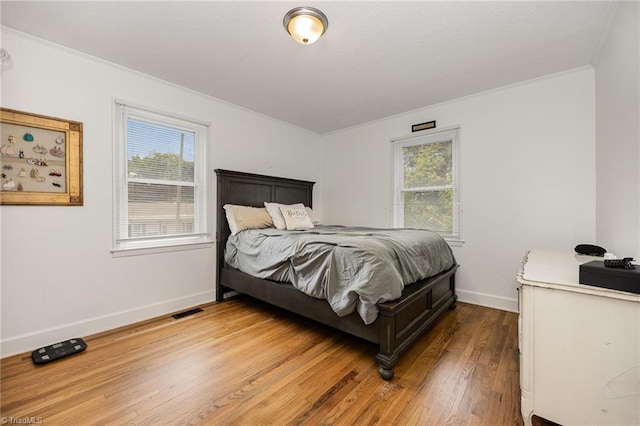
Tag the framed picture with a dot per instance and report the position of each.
(40, 159)
(424, 126)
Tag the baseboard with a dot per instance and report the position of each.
(28, 342)
(31, 341)
(488, 300)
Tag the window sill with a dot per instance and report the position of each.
(454, 242)
(138, 251)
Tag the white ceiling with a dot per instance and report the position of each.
(376, 59)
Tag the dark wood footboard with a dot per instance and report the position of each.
(403, 321)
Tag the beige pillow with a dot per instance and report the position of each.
(244, 217)
(296, 217)
(276, 214)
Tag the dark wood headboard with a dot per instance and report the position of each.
(248, 189)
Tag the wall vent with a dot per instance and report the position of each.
(186, 313)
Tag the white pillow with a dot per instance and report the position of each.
(244, 217)
(276, 214)
(296, 217)
(313, 217)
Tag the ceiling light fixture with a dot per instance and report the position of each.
(305, 24)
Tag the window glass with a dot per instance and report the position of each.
(429, 164)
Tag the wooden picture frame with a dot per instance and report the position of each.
(423, 126)
(40, 160)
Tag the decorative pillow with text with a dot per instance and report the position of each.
(296, 217)
(276, 214)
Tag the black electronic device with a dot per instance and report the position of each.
(58, 350)
(619, 263)
(590, 249)
(595, 273)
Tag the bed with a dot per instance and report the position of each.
(399, 322)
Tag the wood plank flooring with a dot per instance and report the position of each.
(243, 362)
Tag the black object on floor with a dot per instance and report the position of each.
(58, 350)
(186, 313)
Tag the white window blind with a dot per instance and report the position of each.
(160, 180)
(426, 183)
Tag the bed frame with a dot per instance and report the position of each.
(400, 322)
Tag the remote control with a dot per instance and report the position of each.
(619, 263)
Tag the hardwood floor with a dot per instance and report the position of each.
(243, 362)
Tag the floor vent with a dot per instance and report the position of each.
(186, 313)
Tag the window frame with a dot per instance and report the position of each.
(201, 237)
(432, 136)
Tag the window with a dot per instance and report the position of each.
(160, 180)
(426, 183)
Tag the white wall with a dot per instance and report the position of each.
(618, 134)
(527, 174)
(58, 277)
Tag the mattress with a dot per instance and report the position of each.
(353, 268)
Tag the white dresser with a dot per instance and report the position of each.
(579, 345)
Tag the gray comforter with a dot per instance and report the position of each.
(353, 268)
